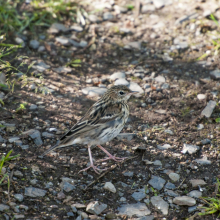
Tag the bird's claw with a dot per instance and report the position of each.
(96, 169)
(117, 159)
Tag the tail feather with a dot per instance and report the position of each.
(51, 148)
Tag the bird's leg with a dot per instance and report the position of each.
(110, 157)
(96, 169)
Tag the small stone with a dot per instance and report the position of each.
(168, 131)
(160, 204)
(206, 141)
(159, 3)
(13, 139)
(96, 207)
(109, 186)
(76, 28)
(215, 74)
(126, 136)
(93, 18)
(129, 174)
(117, 75)
(160, 79)
(62, 40)
(56, 28)
(108, 16)
(164, 147)
(138, 209)
(165, 86)
(4, 207)
(138, 196)
(33, 182)
(203, 161)
(157, 163)
(121, 82)
(70, 214)
(47, 135)
(195, 194)
(201, 96)
(207, 111)
(94, 91)
(79, 205)
(170, 185)
(18, 173)
(147, 8)
(135, 45)
(157, 182)
(200, 126)
(19, 197)
(67, 187)
(34, 192)
(2, 140)
(135, 88)
(191, 149)
(63, 69)
(122, 199)
(174, 176)
(184, 200)
(197, 182)
(192, 209)
(19, 216)
(61, 196)
(171, 193)
(33, 107)
(34, 44)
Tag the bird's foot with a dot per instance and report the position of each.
(96, 169)
(111, 157)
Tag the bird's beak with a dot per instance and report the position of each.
(133, 92)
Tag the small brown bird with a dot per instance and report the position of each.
(101, 123)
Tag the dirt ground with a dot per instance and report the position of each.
(161, 114)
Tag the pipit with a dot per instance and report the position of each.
(101, 123)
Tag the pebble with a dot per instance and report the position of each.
(4, 207)
(203, 161)
(170, 185)
(160, 79)
(160, 204)
(135, 88)
(117, 75)
(122, 199)
(138, 196)
(96, 207)
(164, 147)
(147, 8)
(207, 111)
(63, 40)
(109, 186)
(192, 209)
(33, 107)
(195, 194)
(139, 209)
(171, 193)
(215, 74)
(128, 173)
(168, 131)
(56, 28)
(191, 149)
(159, 3)
(121, 82)
(94, 91)
(135, 45)
(34, 192)
(2, 140)
(93, 18)
(206, 141)
(165, 86)
(76, 28)
(63, 69)
(197, 182)
(19, 197)
(19, 216)
(174, 176)
(126, 136)
(201, 96)
(157, 163)
(41, 66)
(18, 173)
(34, 44)
(184, 200)
(108, 16)
(157, 182)
(47, 135)
(35, 135)
(200, 126)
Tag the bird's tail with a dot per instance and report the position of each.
(51, 148)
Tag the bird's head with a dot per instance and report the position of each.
(119, 93)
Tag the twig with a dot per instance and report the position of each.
(181, 183)
(107, 171)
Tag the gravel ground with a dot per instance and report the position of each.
(171, 138)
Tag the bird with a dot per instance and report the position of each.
(102, 122)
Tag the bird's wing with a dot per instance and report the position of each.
(94, 117)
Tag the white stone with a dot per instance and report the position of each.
(201, 96)
(117, 75)
(110, 187)
(174, 176)
(94, 91)
(184, 200)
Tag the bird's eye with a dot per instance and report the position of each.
(121, 93)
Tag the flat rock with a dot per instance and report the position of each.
(67, 187)
(108, 16)
(94, 91)
(206, 141)
(195, 194)
(157, 182)
(160, 79)
(184, 200)
(207, 111)
(201, 96)
(203, 161)
(200, 126)
(56, 28)
(164, 147)
(4, 207)
(34, 44)
(76, 28)
(159, 3)
(160, 204)
(110, 187)
(138, 209)
(128, 173)
(191, 149)
(135, 45)
(35, 135)
(96, 207)
(126, 136)
(171, 193)
(117, 75)
(63, 69)
(135, 88)
(34, 192)
(170, 185)
(174, 176)
(121, 82)
(47, 135)
(197, 182)
(138, 196)
(19, 197)
(215, 74)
